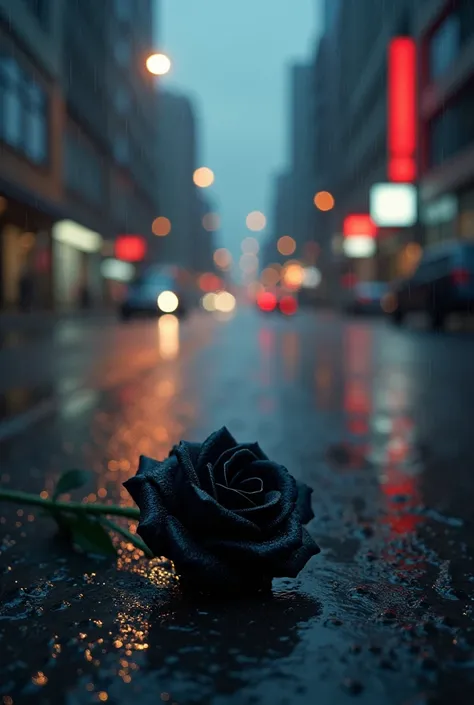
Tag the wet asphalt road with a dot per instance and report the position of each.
(378, 420)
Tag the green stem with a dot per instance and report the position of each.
(75, 507)
(132, 538)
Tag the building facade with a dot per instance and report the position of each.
(351, 123)
(177, 156)
(445, 36)
(31, 123)
(76, 168)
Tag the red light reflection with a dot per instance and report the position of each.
(267, 301)
(288, 305)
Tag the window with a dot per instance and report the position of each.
(122, 51)
(122, 99)
(123, 10)
(40, 9)
(449, 39)
(35, 124)
(82, 168)
(122, 149)
(444, 46)
(453, 129)
(23, 112)
(12, 127)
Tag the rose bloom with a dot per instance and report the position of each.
(227, 516)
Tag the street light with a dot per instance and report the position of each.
(158, 64)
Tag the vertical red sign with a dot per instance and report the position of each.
(402, 110)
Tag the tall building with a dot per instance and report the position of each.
(351, 122)
(445, 35)
(301, 155)
(281, 218)
(205, 235)
(177, 160)
(31, 118)
(76, 168)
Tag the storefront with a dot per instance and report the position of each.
(77, 279)
(25, 257)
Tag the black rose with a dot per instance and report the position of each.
(227, 516)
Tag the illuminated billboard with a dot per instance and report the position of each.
(393, 205)
(402, 110)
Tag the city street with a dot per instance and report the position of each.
(377, 419)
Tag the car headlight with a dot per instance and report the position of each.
(167, 302)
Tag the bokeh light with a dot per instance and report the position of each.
(293, 275)
(324, 201)
(167, 301)
(224, 302)
(208, 302)
(256, 221)
(286, 245)
(254, 289)
(203, 177)
(158, 64)
(288, 305)
(249, 263)
(270, 276)
(267, 301)
(209, 282)
(311, 277)
(161, 226)
(250, 246)
(211, 222)
(222, 258)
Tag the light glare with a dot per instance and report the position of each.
(158, 64)
(167, 302)
(256, 221)
(359, 246)
(203, 177)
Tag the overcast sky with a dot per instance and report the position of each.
(232, 59)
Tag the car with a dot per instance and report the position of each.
(157, 291)
(366, 298)
(442, 284)
(278, 301)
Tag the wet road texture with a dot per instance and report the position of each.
(378, 420)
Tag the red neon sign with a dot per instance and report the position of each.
(130, 248)
(359, 224)
(402, 110)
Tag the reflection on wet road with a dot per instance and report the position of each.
(377, 420)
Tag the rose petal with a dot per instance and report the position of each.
(297, 561)
(184, 454)
(214, 446)
(276, 477)
(162, 473)
(274, 550)
(202, 568)
(303, 503)
(153, 515)
(207, 517)
(269, 515)
(237, 462)
(233, 499)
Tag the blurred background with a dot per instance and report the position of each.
(317, 149)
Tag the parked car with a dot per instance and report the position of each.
(159, 290)
(366, 298)
(443, 283)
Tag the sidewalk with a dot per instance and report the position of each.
(41, 320)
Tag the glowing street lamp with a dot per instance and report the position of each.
(158, 64)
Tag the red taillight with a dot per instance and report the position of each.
(288, 305)
(460, 277)
(267, 301)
